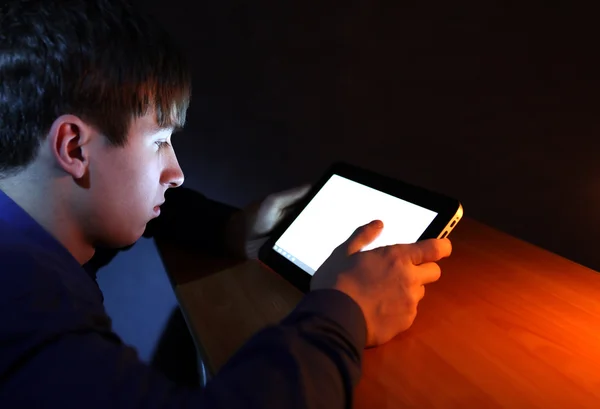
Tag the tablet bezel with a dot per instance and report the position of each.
(445, 206)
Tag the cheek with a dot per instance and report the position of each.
(142, 188)
(138, 185)
(125, 189)
(124, 186)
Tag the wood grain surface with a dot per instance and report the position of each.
(508, 325)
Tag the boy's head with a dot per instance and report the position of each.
(90, 92)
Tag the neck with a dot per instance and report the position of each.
(41, 202)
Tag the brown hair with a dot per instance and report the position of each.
(101, 60)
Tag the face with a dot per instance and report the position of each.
(128, 184)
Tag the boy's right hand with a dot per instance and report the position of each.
(386, 282)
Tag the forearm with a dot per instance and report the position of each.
(234, 239)
(311, 360)
(189, 219)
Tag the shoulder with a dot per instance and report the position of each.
(29, 271)
(22, 265)
(40, 292)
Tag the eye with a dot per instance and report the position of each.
(162, 144)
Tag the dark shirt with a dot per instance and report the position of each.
(58, 350)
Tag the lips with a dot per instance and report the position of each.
(157, 209)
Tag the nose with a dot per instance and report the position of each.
(172, 175)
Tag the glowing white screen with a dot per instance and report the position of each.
(337, 210)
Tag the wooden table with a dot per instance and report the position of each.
(508, 325)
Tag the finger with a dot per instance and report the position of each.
(428, 273)
(291, 196)
(421, 293)
(428, 251)
(363, 236)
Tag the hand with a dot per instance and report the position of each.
(386, 282)
(263, 217)
(249, 229)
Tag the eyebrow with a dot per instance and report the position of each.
(174, 129)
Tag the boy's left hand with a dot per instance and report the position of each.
(250, 228)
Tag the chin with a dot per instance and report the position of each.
(121, 239)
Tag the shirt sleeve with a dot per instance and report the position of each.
(310, 360)
(191, 220)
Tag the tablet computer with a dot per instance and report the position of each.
(345, 198)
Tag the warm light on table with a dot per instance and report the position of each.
(508, 325)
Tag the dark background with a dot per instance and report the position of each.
(493, 104)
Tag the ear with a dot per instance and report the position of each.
(69, 142)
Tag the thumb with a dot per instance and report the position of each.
(363, 236)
